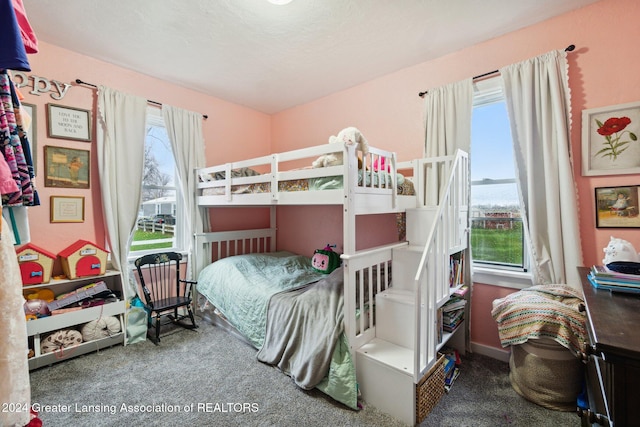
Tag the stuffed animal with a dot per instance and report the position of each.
(619, 250)
(348, 136)
(326, 160)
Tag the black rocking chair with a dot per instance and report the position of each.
(164, 292)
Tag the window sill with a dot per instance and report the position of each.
(503, 278)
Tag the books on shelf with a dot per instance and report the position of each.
(451, 367)
(601, 277)
(452, 319)
(456, 270)
(461, 291)
(454, 303)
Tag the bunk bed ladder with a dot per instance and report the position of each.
(448, 234)
(404, 348)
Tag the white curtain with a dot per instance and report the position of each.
(184, 129)
(121, 137)
(448, 127)
(538, 103)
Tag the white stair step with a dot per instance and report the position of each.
(391, 355)
(385, 378)
(419, 223)
(404, 266)
(395, 317)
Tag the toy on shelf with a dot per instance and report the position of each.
(35, 264)
(79, 294)
(36, 308)
(82, 259)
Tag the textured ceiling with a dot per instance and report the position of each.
(269, 57)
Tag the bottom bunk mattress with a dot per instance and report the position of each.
(291, 313)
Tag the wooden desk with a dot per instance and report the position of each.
(612, 356)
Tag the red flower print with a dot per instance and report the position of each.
(613, 125)
(613, 130)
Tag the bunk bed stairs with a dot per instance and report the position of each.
(399, 370)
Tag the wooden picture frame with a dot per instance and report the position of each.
(610, 143)
(66, 167)
(67, 209)
(618, 207)
(32, 131)
(68, 123)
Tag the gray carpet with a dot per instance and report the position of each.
(210, 378)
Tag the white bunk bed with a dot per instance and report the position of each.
(362, 188)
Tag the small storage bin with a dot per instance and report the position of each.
(82, 259)
(430, 389)
(546, 373)
(35, 264)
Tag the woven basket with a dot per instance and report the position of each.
(430, 389)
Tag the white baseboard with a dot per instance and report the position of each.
(496, 353)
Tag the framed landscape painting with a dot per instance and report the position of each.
(66, 167)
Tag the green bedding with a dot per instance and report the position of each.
(335, 182)
(241, 287)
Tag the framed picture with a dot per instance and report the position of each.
(66, 167)
(67, 209)
(617, 207)
(31, 131)
(610, 143)
(68, 123)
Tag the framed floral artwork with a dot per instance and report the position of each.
(618, 207)
(610, 144)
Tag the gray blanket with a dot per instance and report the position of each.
(303, 327)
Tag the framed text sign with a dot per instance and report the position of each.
(67, 209)
(68, 123)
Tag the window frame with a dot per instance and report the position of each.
(489, 91)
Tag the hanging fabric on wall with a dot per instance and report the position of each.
(13, 55)
(15, 147)
(26, 32)
(18, 224)
(7, 183)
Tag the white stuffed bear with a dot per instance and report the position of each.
(348, 136)
(619, 250)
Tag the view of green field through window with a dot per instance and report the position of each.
(497, 237)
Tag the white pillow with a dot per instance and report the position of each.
(100, 328)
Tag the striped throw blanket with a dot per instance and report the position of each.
(544, 311)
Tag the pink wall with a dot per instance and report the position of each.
(387, 110)
(603, 71)
(231, 132)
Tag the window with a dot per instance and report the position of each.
(159, 224)
(497, 233)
